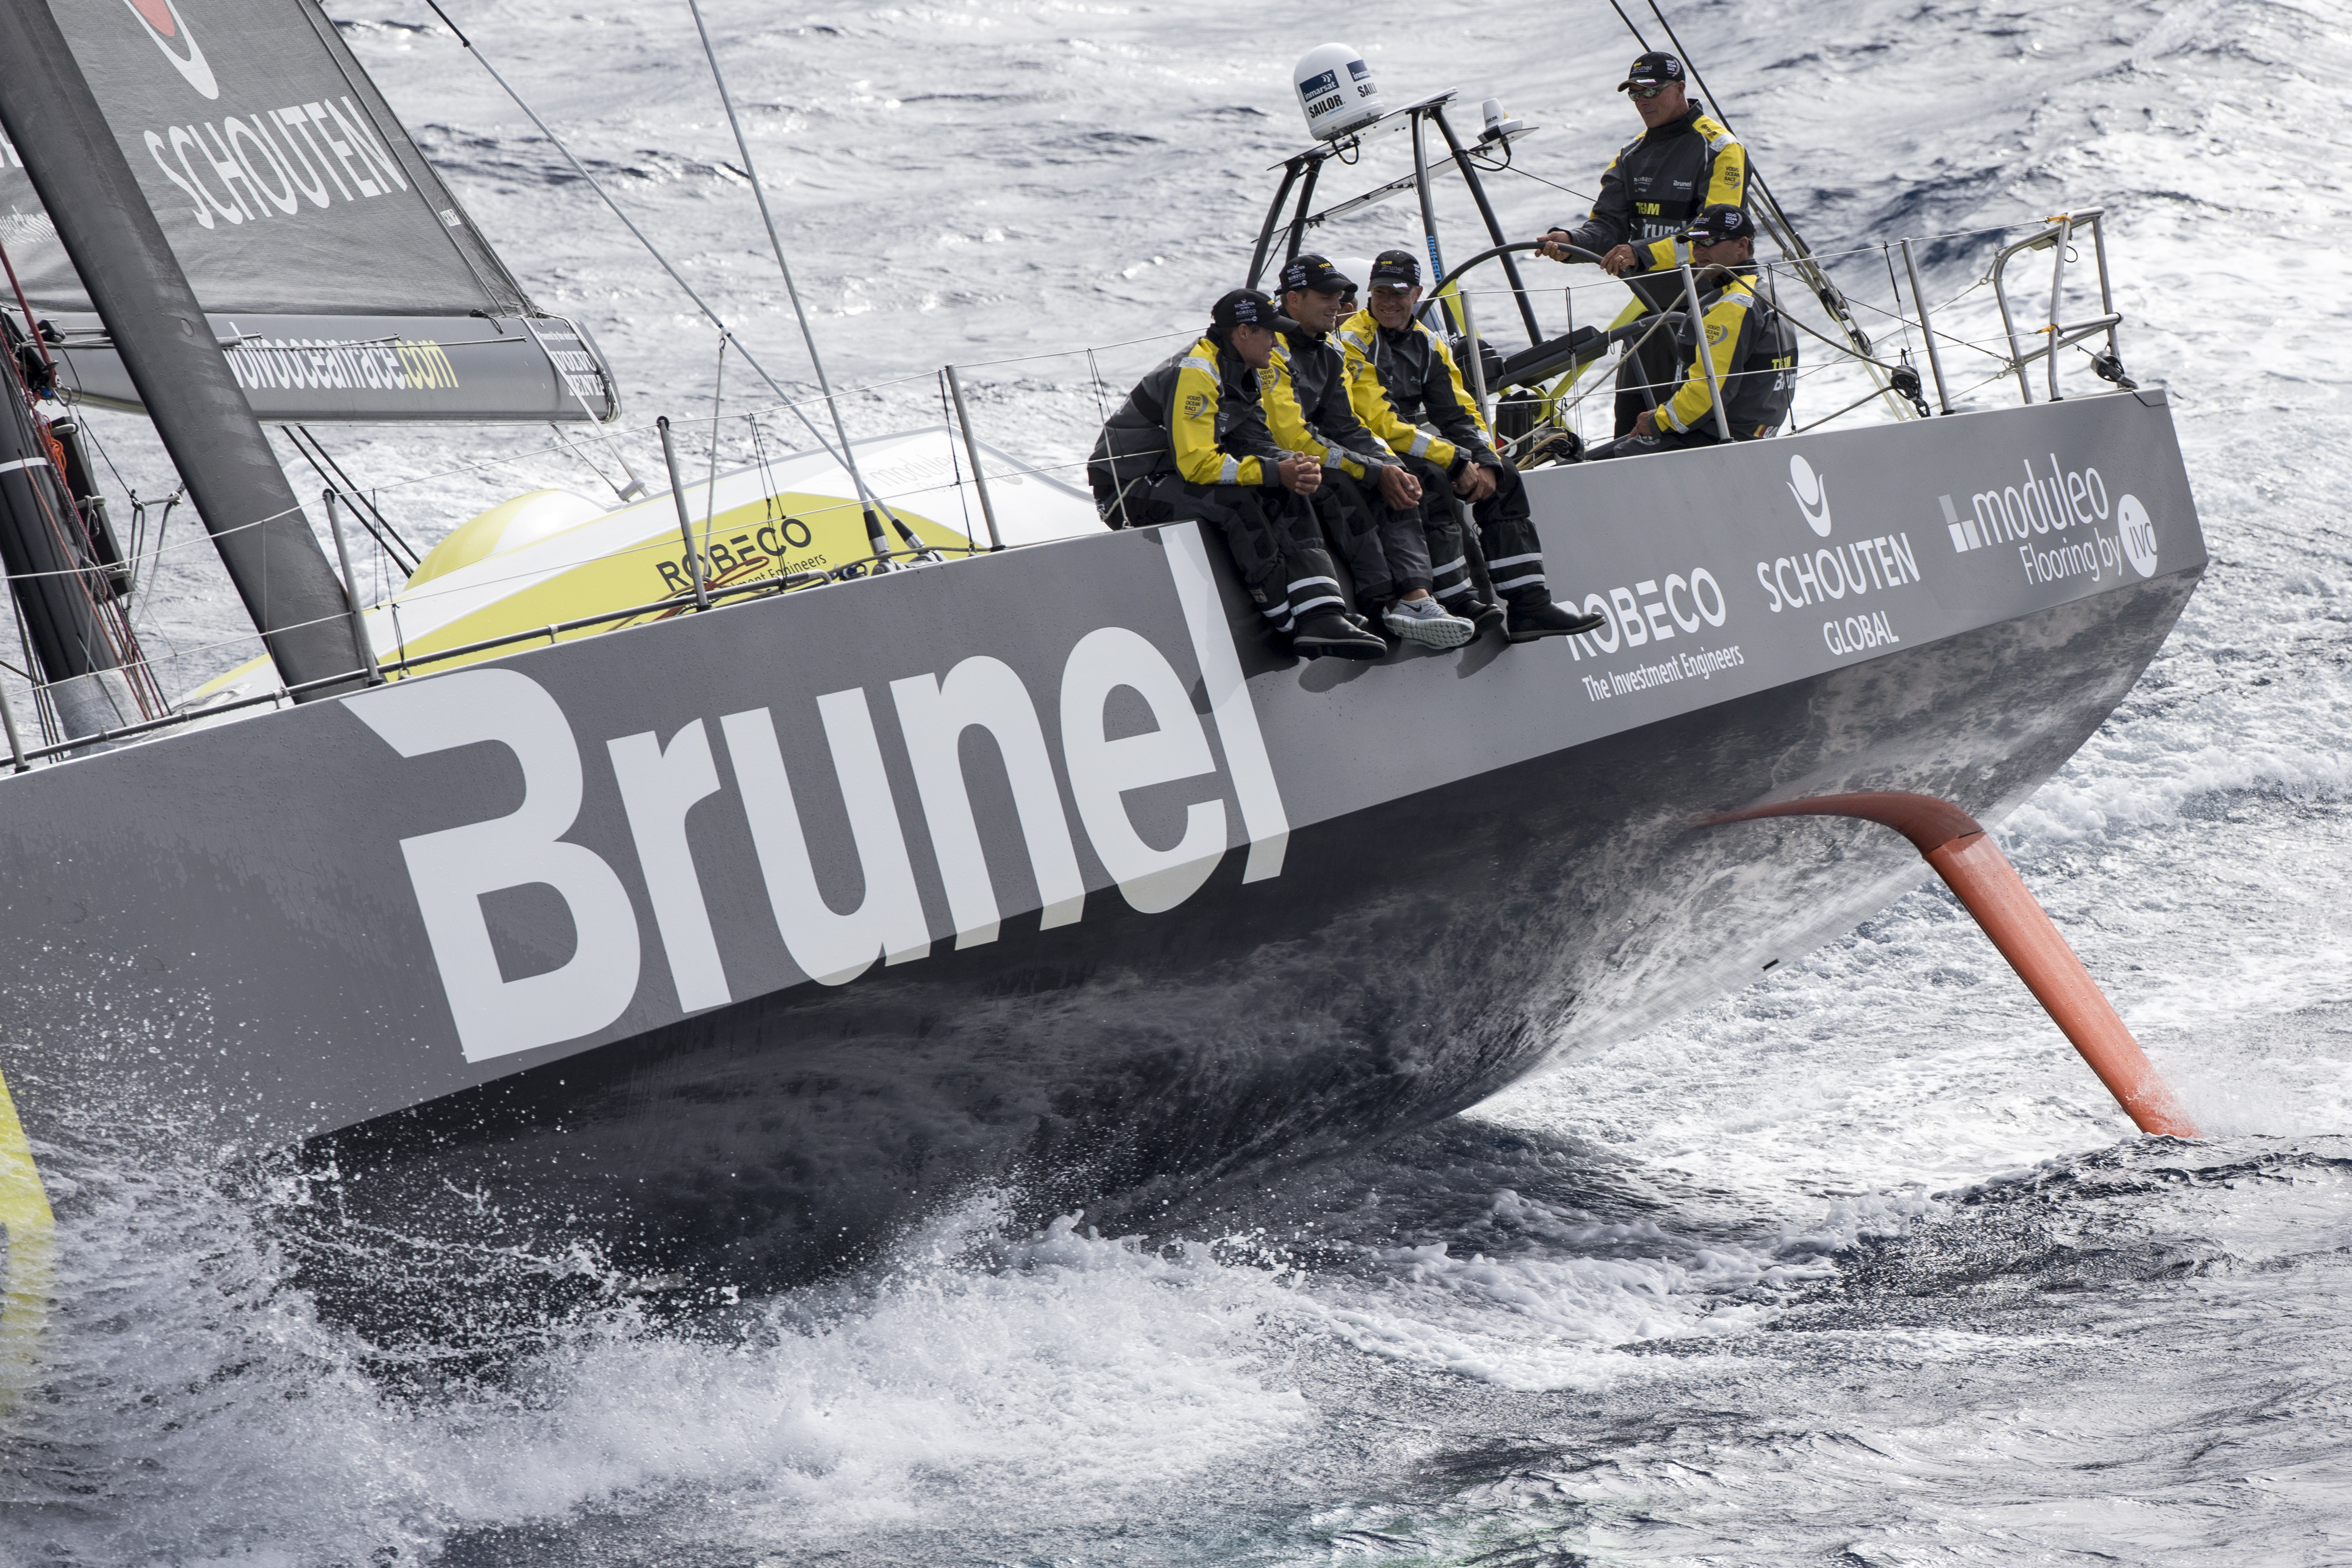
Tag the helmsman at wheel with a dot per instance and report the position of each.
(1191, 441)
(1400, 375)
(1749, 346)
(1683, 161)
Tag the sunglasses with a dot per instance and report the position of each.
(1646, 93)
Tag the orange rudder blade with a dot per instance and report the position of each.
(1976, 870)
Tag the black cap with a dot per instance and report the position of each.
(1652, 69)
(1244, 307)
(1316, 273)
(1396, 270)
(1718, 224)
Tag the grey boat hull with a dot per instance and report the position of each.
(1319, 903)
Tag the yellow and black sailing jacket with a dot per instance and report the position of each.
(1197, 416)
(1398, 381)
(1754, 352)
(1307, 407)
(1659, 181)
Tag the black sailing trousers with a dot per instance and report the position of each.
(1386, 548)
(1506, 534)
(1275, 540)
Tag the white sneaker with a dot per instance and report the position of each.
(1425, 621)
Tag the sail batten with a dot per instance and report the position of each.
(301, 209)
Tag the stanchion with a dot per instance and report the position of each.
(685, 523)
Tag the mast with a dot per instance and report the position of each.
(118, 247)
(76, 661)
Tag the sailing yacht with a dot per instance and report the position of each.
(714, 881)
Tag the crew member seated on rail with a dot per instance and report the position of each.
(1683, 160)
(1751, 347)
(1191, 442)
(1401, 373)
(1371, 504)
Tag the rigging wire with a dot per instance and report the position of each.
(760, 464)
(585, 461)
(626, 222)
(1539, 179)
(955, 462)
(1793, 244)
(1094, 379)
(710, 465)
(1637, 34)
(363, 508)
(636, 488)
(759, 193)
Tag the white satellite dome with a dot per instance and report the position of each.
(1335, 92)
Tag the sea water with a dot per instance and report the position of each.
(1859, 1265)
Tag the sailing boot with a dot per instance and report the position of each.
(1331, 632)
(1532, 621)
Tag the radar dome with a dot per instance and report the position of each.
(1335, 92)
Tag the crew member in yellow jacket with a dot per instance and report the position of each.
(1751, 347)
(1400, 376)
(1369, 503)
(1191, 441)
(1683, 161)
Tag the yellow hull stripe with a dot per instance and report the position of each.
(32, 1256)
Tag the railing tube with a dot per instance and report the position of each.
(1926, 329)
(1477, 366)
(1706, 359)
(16, 742)
(2017, 355)
(2106, 296)
(2057, 282)
(1298, 220)
(1428, 208)
(971, 450)
(1494, 227)
(1273, 216)
(685, 523)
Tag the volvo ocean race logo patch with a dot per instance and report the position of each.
(2138, 535)
(162, 19)
(1813, 493)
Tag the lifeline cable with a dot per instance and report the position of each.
(759, 192)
